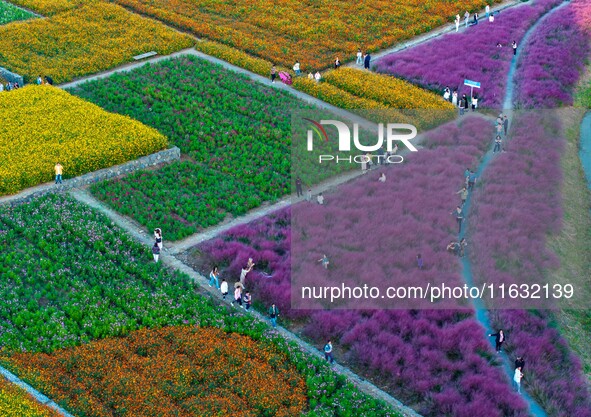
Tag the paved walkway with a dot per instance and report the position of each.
(170, 260)
(33, 392)
(447, 28)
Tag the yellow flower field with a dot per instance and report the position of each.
(83, 41)
(314, 33)
(15, 402)
(51, 7)
(42, 125)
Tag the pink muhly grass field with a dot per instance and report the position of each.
(472, 54)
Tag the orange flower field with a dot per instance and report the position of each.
(180, 371)
(312, 32)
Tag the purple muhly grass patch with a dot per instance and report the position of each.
(434, 359)
(518, 204)
(472, 54)
(554, 58)
(552, 373)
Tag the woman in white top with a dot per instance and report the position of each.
(359, 57)
(454, 98)
(517, 379)
(317, 76)
(382, 177)
(457, 21)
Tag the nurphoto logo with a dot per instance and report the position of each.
(389, 133)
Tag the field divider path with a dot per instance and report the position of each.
(442, 30)
(171, 261)
(480, 309)
(43, 399)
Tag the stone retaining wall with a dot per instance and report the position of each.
(167, 155)
(11, 77)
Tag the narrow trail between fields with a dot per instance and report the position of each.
(585, 147)
(171, 261)
(481, 313)
(48, 402)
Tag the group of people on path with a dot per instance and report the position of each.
(361, 59)
(462, 103)
(241, 297)
(475, 18)
(519, 360)
(9, 86)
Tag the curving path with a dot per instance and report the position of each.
(480, 310)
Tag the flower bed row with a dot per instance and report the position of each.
(43, 125)
(188, 371)
(9, 13)
(69, 276)
(15, 402)
(554, 58)
(313, 33)
(472, 54)
(238, 133)
(436, 361)
(358, 91)
(51, 7)
(83, 41)
(526, 182)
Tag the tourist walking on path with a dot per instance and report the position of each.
(328, 352)
(299, 186)
(454, 98)
(366, 61)
(247, 300)
(463, 245)
(471, 180)
(463, 195)
(214, 277)
(420, 263)
(238, 295)
(519, 363)
(476, 18)
(359, 60)
(337, 63)
(296, 68)
(224, 289)
(459, 216)
(155, 252)
(499, 339)
(505, 124)
(487, 11)
(324, 261)
(517, 377)
(317, 76)
(457, 22)
(498, 142)
(273, 74)
(158, 237)
(309, 195)
(446, 94)
(514, 46)
(273, 314)
(474, 103)
(466, 17)
(58, 173)
(461, 106)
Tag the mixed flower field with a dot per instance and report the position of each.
(77, 292)
(314, 33)
(83, 41)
